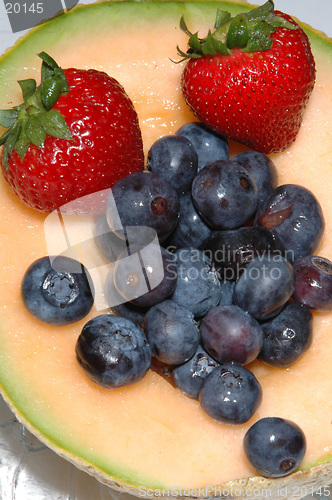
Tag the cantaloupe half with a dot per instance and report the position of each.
(150, 435)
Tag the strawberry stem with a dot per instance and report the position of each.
(35, 118)
(250, 31)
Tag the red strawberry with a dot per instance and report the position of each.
(251, 79)
(76, 134)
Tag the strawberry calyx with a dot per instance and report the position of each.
(35, 118)
(250, 32)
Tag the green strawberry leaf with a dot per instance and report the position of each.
(60, 75)
(28, 87)
(51, 91)
(220, 47)
(10, 142)
(260, 37)
(261, 12)
(5, 136)
(213, 46)
(54, 124)
(281, 22)
(46, 72)
(48, 60)
(182, 54)
(35, 132)
(7, 117)
(208, 47)
(238, 33)
(22, 145)
(184, 27)
(195, 44)
(222, 18)
(48, 66)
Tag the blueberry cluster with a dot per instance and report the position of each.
(234, 280)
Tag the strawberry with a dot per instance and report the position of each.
(251, 78)
(75, 134)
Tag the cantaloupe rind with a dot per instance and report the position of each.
(29, 349)
(296, 486)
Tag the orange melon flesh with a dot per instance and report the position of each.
(150, 434)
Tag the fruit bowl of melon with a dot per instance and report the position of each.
(178, 345)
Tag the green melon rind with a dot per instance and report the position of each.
(42, 38)
(291, 487)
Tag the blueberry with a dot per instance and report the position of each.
(209, 145)
(174, 158)
(145, 276)
(189, 376)
(262, 170)
(294, 215)
(230, 334)
(225, 195)
(142, 199)
(232, 250)
(230, 394)
(274, 446)
(113, 351)
(198, 287)
(172, 332)
(265, 286)
(313, 282)
(287, 336)
(108, 243)
(191, 230)
(56, 295)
